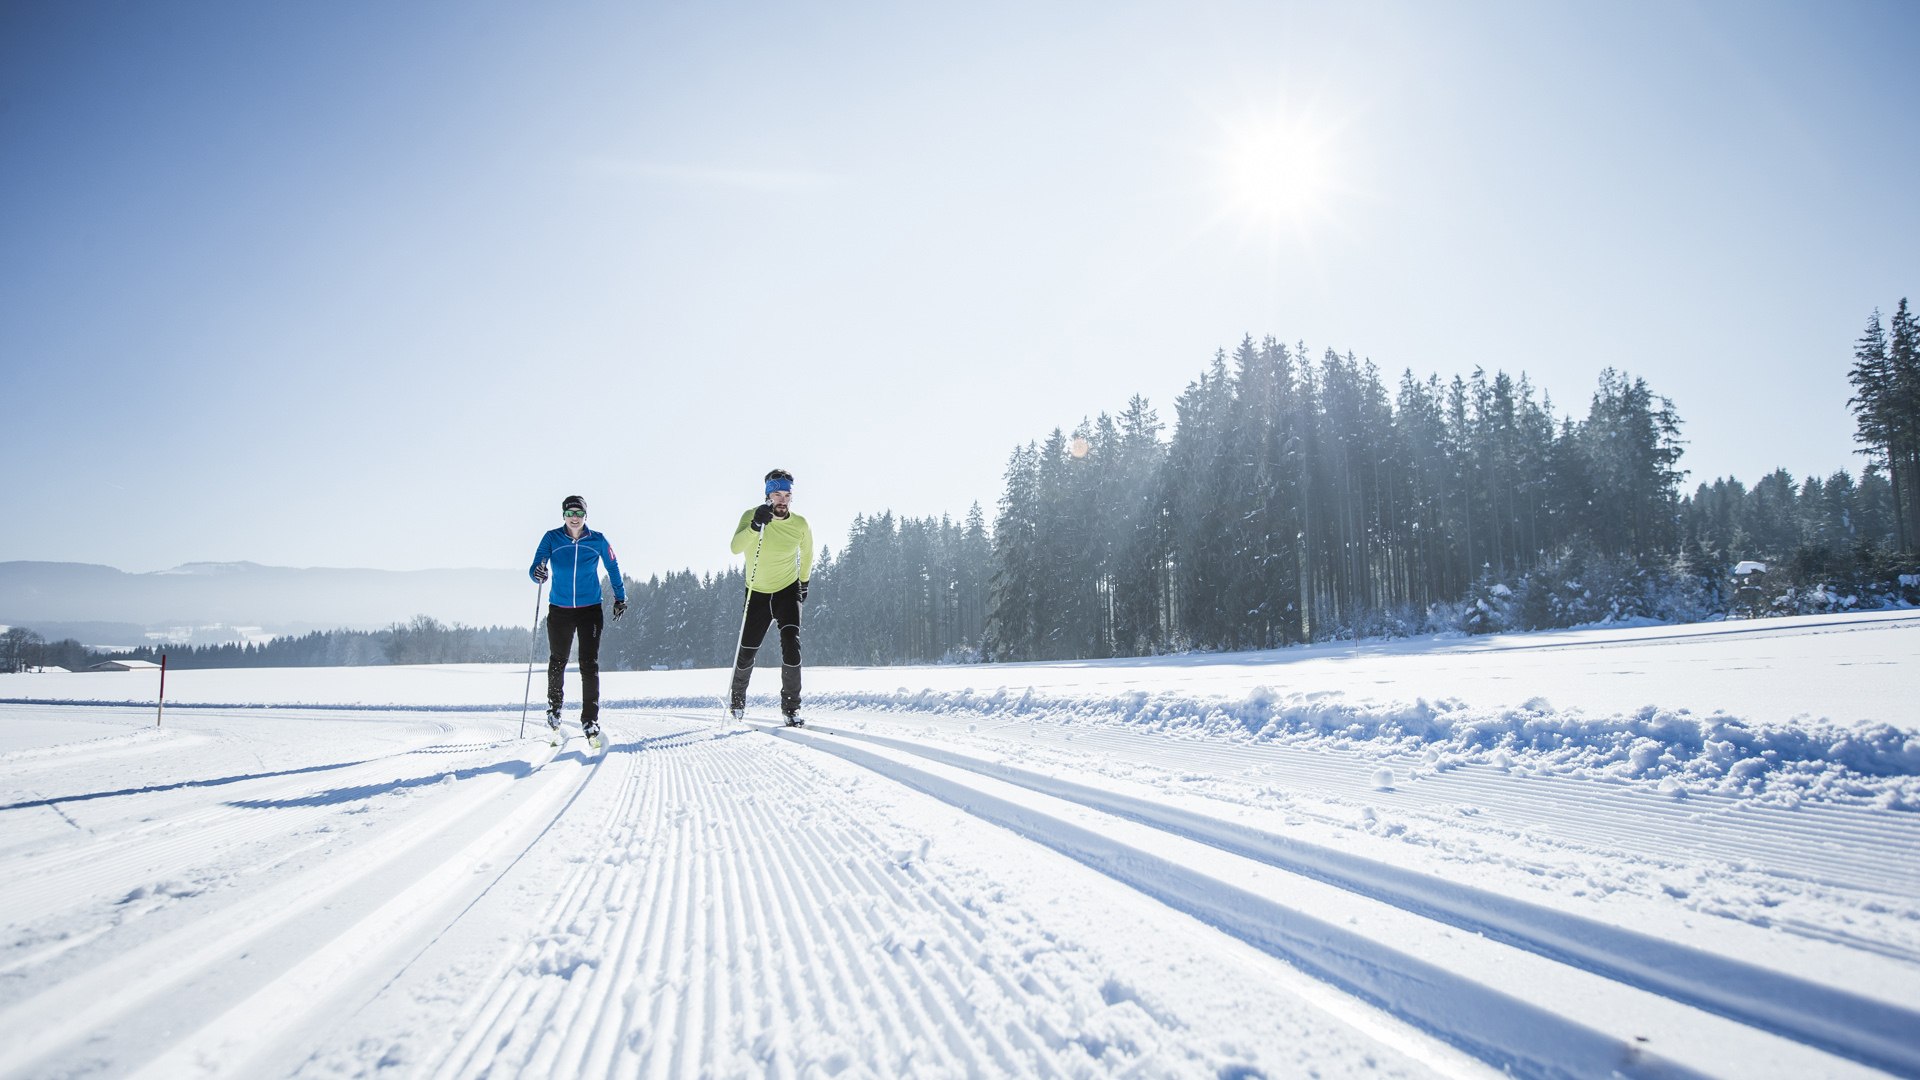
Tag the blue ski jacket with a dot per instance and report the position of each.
(576, 567)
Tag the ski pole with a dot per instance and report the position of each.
(533, 640)
(740, 641)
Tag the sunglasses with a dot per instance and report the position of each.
(573, 513)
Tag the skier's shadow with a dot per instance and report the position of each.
(241, 778)
(515, 768)
(214, 781)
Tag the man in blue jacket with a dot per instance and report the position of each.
(576, 553)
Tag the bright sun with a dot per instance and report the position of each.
(1278, 172)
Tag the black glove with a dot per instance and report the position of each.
(619, 608)
(540, 573)
(803, 592)
(761, 516)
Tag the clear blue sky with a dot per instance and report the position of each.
(370, 284)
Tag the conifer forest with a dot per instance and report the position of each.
(1291, 499)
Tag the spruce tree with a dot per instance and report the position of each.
(1881, 422)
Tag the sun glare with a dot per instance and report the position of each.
(1278, 172)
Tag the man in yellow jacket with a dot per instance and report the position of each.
(779, 550)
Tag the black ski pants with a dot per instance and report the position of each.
(782, 607)
(562, 624)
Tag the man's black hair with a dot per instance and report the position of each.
(780, 474)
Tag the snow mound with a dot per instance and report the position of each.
(1669, 749)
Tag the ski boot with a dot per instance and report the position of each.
(794, 719)
(553, 725)
(592, 731)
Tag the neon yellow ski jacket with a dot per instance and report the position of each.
(785, 555)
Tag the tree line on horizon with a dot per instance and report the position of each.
(422, 640)
(1295, 500)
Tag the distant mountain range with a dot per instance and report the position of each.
(101, 605)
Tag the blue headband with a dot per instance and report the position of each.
(779, 485)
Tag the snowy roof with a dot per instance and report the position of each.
(125, 665)
(1749, 567)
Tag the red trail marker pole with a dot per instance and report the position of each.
(161, 705)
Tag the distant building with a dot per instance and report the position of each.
(125, 665)
(1749, 598)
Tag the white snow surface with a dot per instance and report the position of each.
(1645, 850)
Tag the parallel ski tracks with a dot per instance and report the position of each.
(1844, 846)
(722, 917)
(736, 904)
(160, 849)
(245, 981)
(1830, 1021)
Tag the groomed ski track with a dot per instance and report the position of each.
(722, 899)
(1564, 993)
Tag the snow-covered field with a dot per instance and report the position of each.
(1652, 851)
